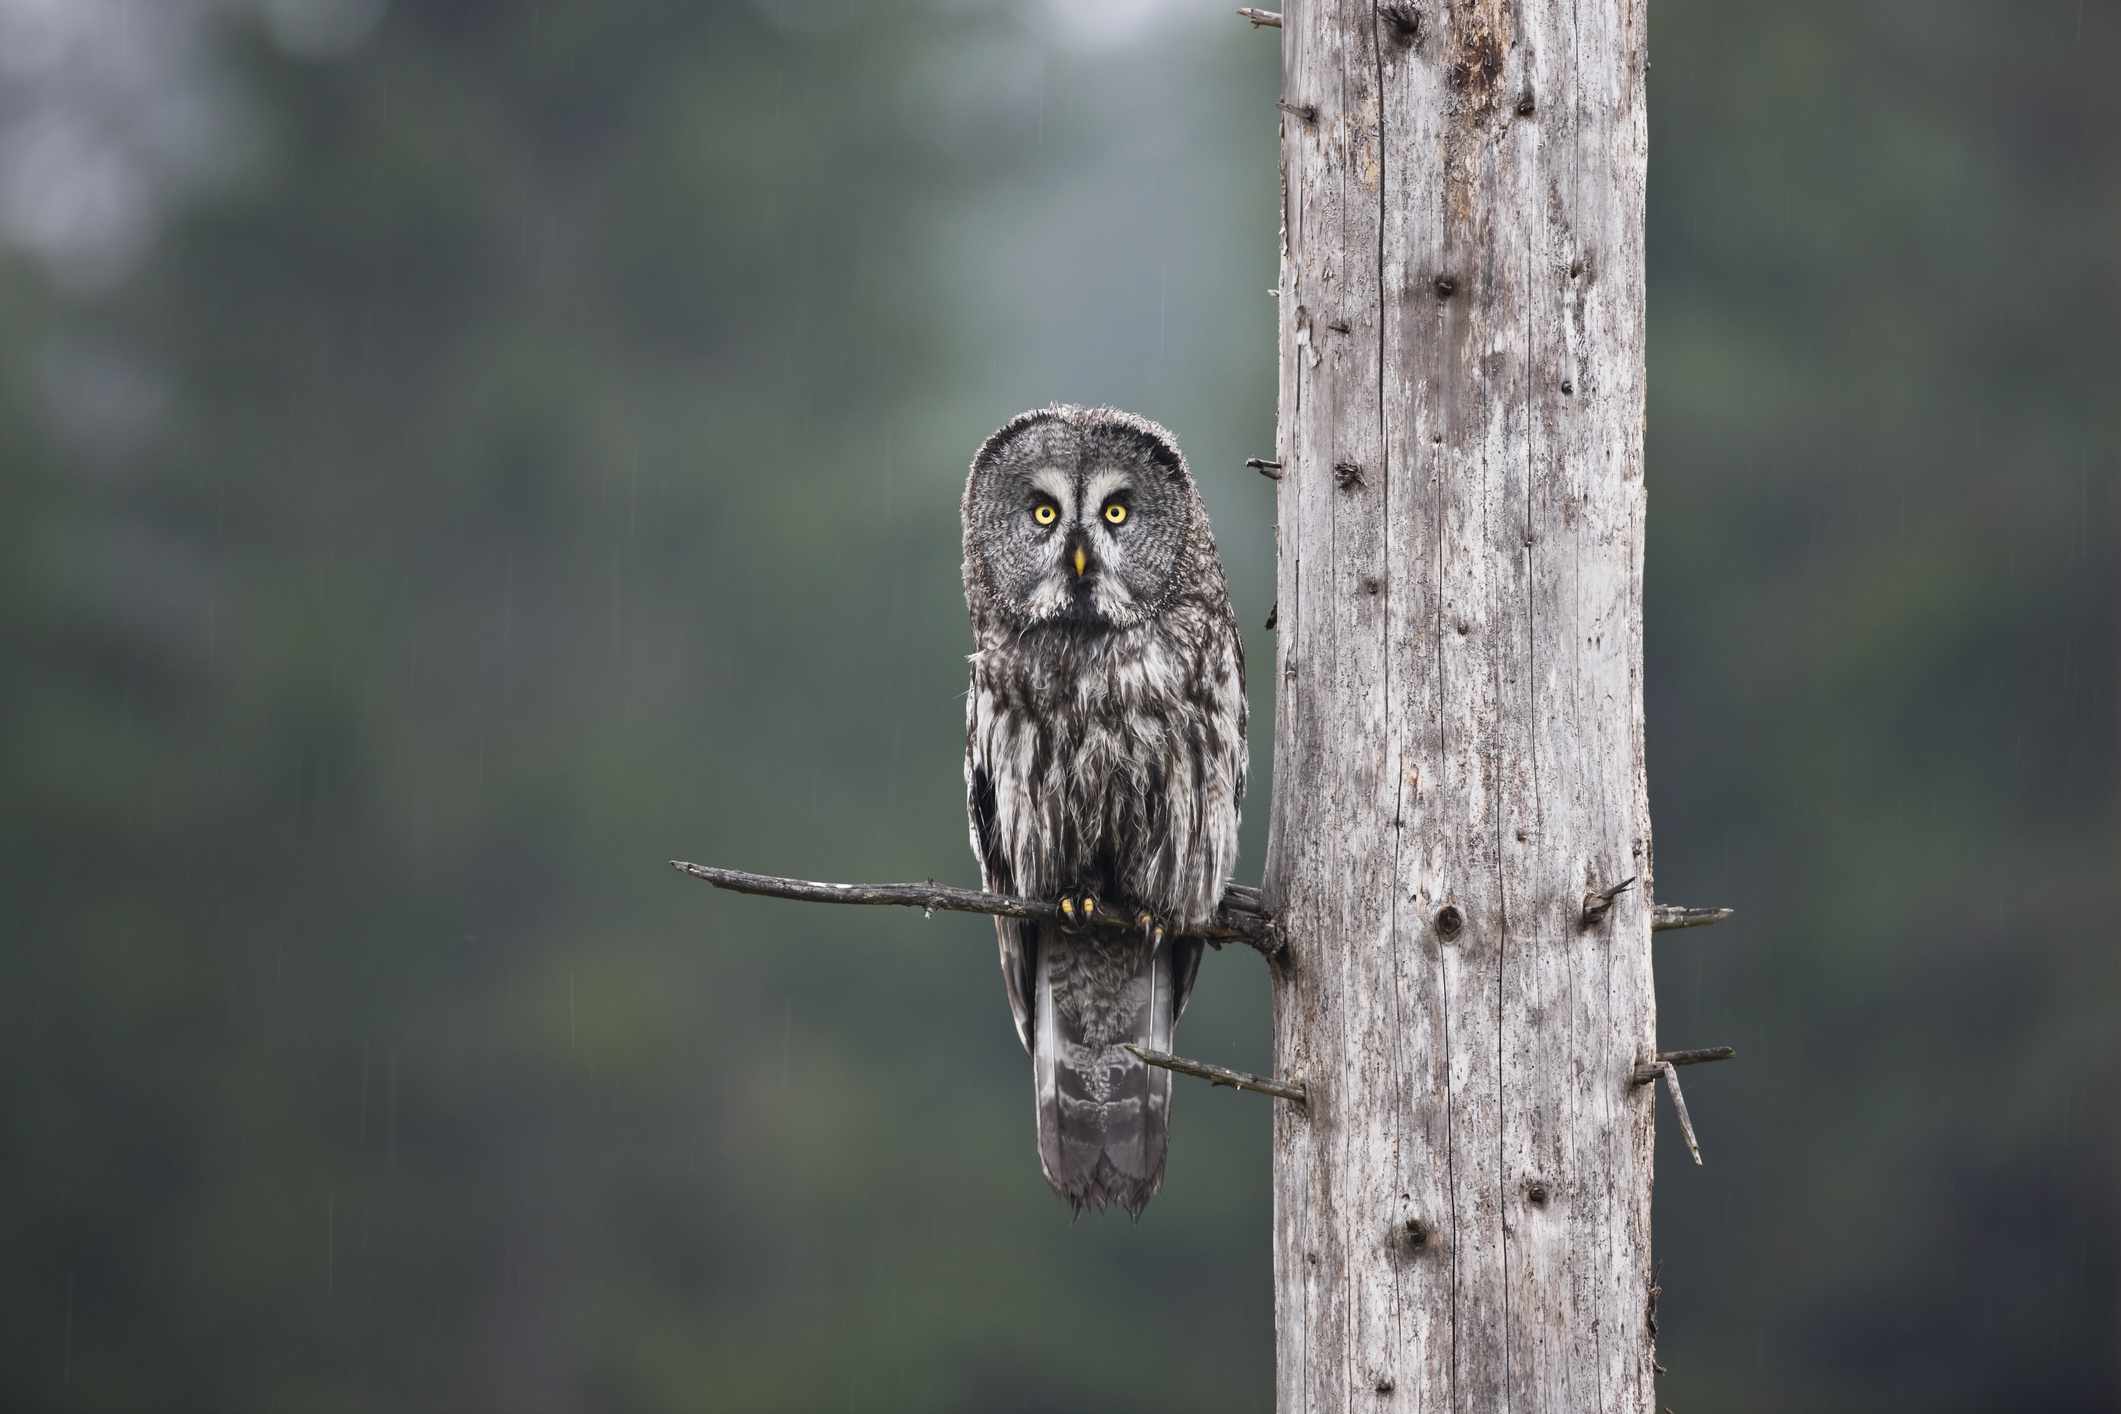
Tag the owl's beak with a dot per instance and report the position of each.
(1082, 562)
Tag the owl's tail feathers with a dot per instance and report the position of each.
(1103, 1116)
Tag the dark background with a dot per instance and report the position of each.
(460, 455)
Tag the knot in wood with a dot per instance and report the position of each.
(1445, 287)
(1535, 1193)
(1402, 24)
(1348, 474)
(1449, 921)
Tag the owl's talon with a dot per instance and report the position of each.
(1077, 911)
(1152, 931)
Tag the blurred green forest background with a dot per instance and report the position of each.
(459, 455)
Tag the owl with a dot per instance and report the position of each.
(1104, 767)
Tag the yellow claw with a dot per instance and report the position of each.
(1089, 904)
(1068, 906)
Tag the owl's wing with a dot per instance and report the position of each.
(1227, 802)
(1018, 939)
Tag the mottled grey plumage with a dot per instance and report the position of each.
(1104, 760)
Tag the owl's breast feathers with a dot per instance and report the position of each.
(1112, 760)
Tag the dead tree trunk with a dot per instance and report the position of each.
(1462, 1210)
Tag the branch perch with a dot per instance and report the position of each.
(1261, 19)
(1241, 919)
(1223, 1075)
(1667, 916)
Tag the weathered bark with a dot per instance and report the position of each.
(1462, 1210)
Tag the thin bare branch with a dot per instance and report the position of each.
(1265, 467)
(1670, 1073)
(1647, 1074)
(1598, 903)
(1666, 1066)
(1241, 920)
(1261, 19)
(1667, 916)
(1701, 1056)
(1222, 1075)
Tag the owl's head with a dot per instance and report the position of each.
(1083, 516)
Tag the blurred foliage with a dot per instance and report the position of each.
(535, 454)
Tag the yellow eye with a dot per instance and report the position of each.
(1116, 513)
(1046, 513)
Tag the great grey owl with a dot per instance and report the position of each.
(1104, 766)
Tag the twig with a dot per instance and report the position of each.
(1701, 1056)
(1269, 469)
(1222, 1075)
(1667, 1066)
(1241, 919)
(1261, 19)
(1671, 1083)
(1667, 916)
(1598, 904)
